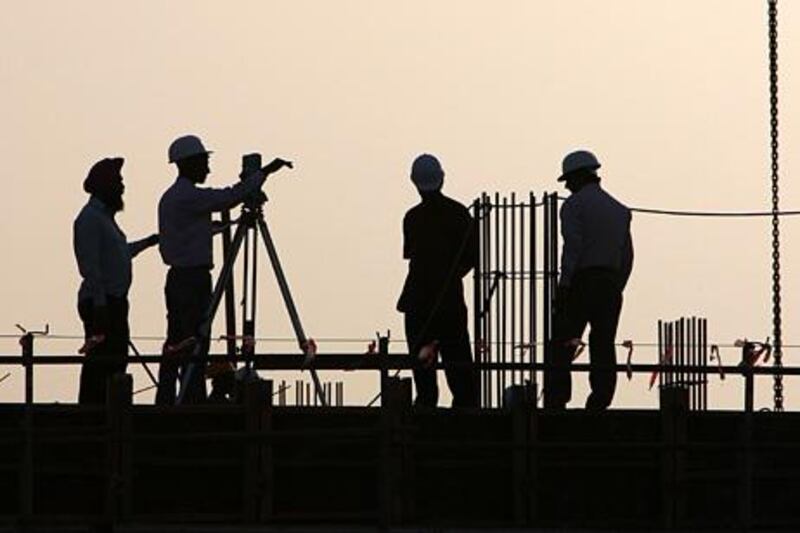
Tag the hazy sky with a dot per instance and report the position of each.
(671, 95)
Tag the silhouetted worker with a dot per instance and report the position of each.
(440, 243)
(104, 261)
(596, 262)
(184, 220)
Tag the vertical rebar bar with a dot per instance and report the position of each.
(476, 288)
(660, 352)
(503, 297)
(498, 312)
(513, 275)
(704, 328)
(684, 353)
(532, 296)
(522, 289)
(546, 341)
(486, 257)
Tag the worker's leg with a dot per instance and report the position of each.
(176, 331)
(569, 323)
(605, 306)
(197, 298)
(188, 293)
(118, 336)
(424, 378)
(91, 381)
(455, 348)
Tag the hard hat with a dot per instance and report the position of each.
(186, 146)
(578, 160)
(427, 173)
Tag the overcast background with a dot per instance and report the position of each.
(672, 96)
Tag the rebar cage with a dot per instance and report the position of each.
(514, 287)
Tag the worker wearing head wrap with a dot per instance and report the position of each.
(441, 246)
(104, 262)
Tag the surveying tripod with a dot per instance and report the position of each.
(250, 224)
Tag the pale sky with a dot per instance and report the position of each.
(671, 96)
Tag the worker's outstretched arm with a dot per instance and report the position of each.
(212, 200)
(137, 247)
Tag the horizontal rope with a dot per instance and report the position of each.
(720, 214)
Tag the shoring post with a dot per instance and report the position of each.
(524, 423)
(746, 465)
(674, 410)
(396, 503)
(257, 490)
(119, 399)
(266, 462)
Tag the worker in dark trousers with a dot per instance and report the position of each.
(104, 258)
(596, 262)
(185, 227)
(441, 245)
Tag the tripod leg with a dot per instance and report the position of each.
(230, 311)
(288, 301)
(146, 368)
(204, 331)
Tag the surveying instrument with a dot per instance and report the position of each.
(250, 225)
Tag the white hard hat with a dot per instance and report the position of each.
(578, 160)
(427, 173)
(186, 146)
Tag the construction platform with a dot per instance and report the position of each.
(252, 463)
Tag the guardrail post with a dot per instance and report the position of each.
(119, 398)
(26, 471)
(395, 406)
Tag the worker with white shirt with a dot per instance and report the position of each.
(596, 262)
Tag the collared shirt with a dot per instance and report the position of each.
(596, 232)
(184, 218)
(441, 245)
(103, 253)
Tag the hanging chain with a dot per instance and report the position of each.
(776, 252)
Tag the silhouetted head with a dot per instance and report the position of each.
(191, 157)
(578, 169)
(104, 182)
(194, 168)
(427, 174)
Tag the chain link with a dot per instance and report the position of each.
(776, 252)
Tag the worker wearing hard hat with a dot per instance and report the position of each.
(596, 262)
(104, 258)
(184, 220)
(441, 245)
